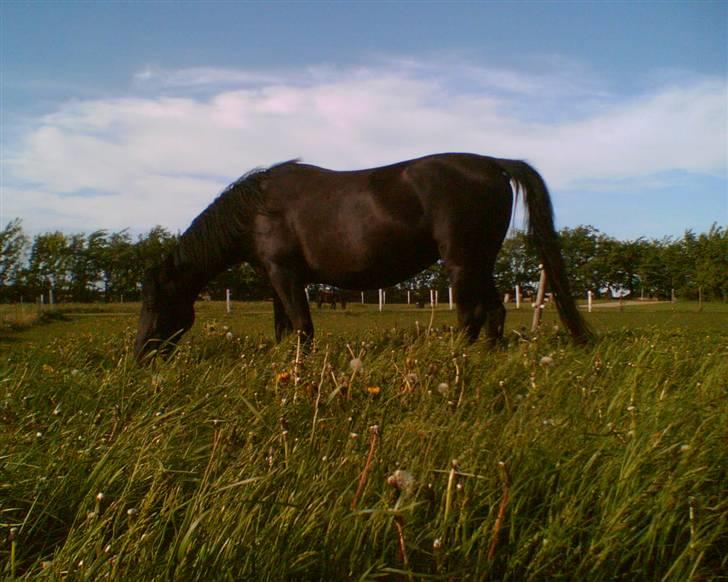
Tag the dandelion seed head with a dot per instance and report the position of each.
(443, 388)
(355, 364)
(403, 481)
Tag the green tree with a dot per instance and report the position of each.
(585, 251)
(48, 264)
(13, 243)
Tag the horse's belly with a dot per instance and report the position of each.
(380, 260)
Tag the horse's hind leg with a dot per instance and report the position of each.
(468, 294)
(494, 310)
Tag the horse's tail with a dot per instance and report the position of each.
(536, 198)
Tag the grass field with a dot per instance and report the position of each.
(391, 451)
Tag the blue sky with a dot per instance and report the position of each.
(120, 114)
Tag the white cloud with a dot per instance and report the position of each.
(161, 159)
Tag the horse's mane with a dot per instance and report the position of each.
(215, 237)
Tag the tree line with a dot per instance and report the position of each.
(108, 266)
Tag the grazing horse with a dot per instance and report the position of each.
(297, 224)
(332, 297)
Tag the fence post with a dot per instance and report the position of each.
(538, 306)
(518, 296)
(227, 300)
(408, 297)
(449, 296)
(589, 301)
(381, 300)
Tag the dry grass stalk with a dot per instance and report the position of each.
(374, 431)
(501, 510)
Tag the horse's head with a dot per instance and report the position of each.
(166, 314)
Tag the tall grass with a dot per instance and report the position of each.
(238, 459)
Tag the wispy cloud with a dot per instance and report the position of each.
(160, 159)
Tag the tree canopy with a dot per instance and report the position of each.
(108, 266)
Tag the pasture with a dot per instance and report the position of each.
(393, 450)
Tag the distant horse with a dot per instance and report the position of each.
(331, 297)
(367, 229)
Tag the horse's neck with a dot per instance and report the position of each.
(192, 271)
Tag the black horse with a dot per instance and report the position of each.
(298, 224)
(330, 297)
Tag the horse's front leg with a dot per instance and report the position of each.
(283, 323)
(291, 291)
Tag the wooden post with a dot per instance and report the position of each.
(362, 297)
(50, 296)
(589, 301)
(538, 306)
(672, 295)
(432, 298)
(408, 297)
(700, 298)
(450, 298)
(518, 296)
(437, 298)
(227, 300)
(381, 300)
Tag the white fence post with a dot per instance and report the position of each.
(408, 297)
(449, 296)
(227, 300)
(381, 300)
(518, 296)
(538, 306)
(589, 295)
